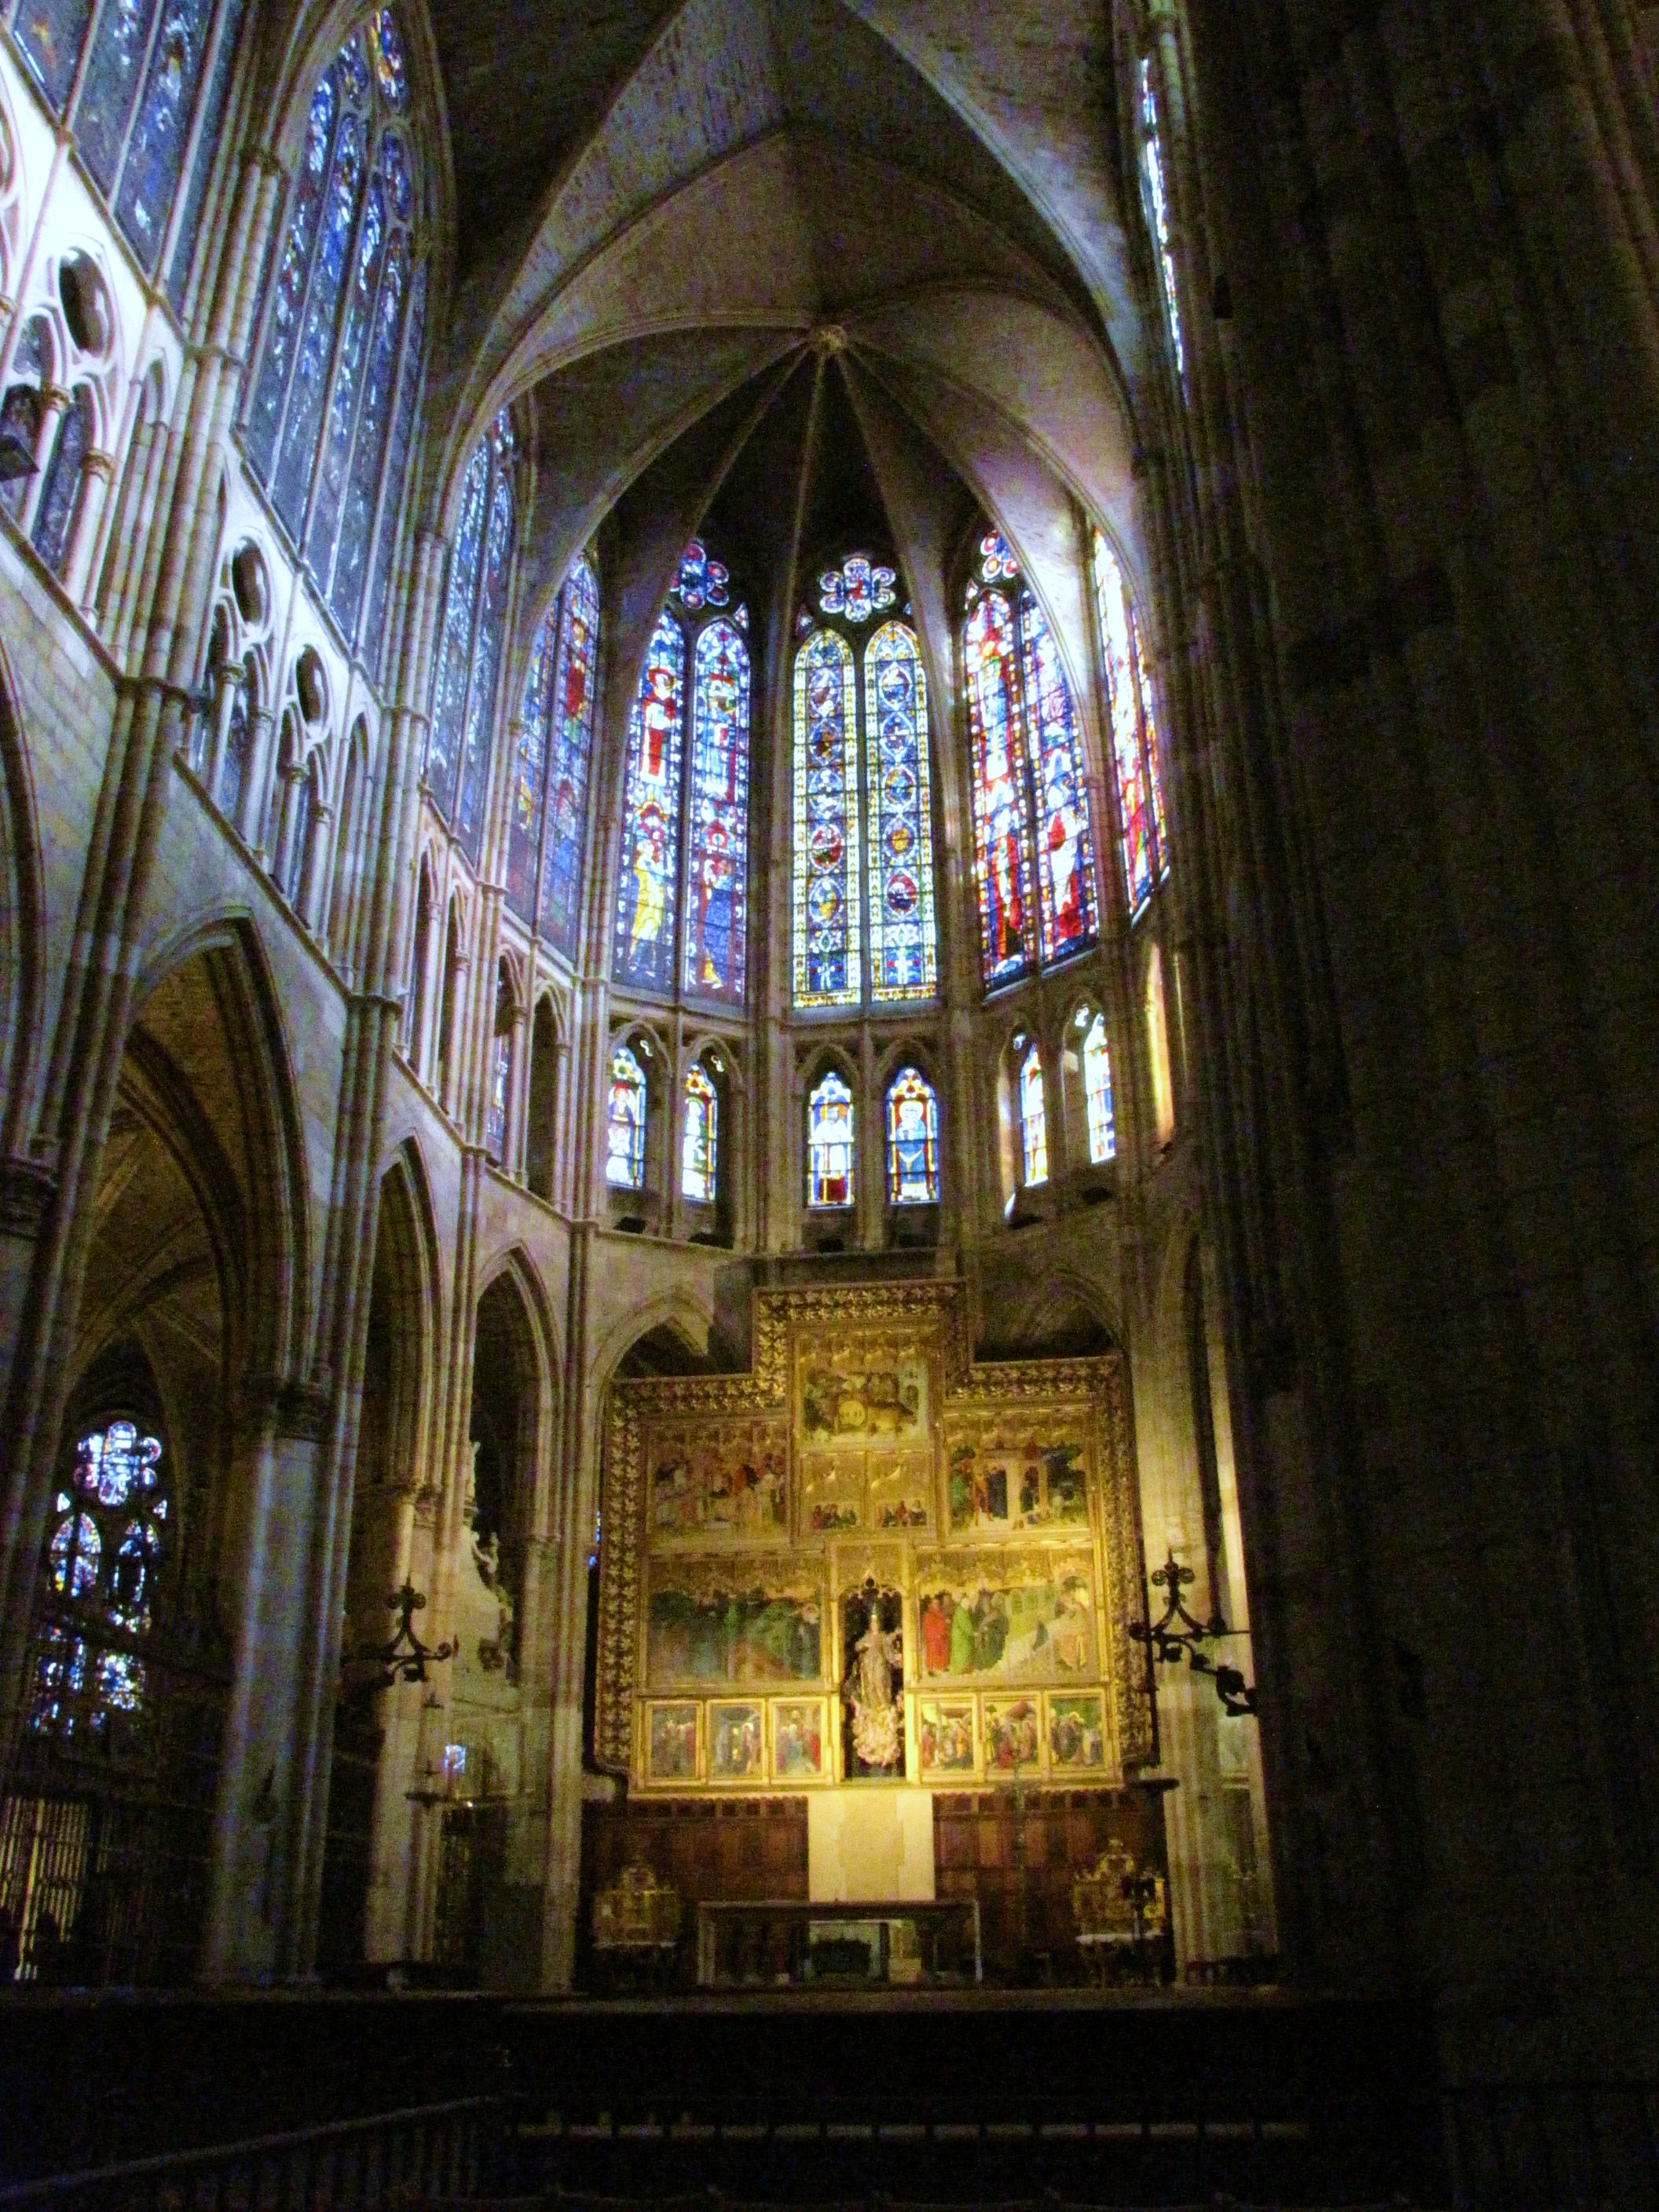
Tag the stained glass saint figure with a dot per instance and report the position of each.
(700, 1139)
(912, 1140)
(829, 1144)
(1033, 1120)
(624, 1159)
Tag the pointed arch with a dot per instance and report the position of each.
(516, 1367)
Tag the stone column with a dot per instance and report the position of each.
(96, 470)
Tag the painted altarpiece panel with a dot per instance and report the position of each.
(871, 1560)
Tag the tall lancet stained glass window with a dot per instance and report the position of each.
(1134, 732)
(829, 1143)
(625, 1121)
(330, 415)
(470, 643)
(864, 921)
(1156, 188)
(1033, 838)
(682, 893)
(547, 823)
(150, 101)
(700, 1140)
(912, 1140)
(1097, 1092)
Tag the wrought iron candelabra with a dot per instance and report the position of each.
(1178, 1635)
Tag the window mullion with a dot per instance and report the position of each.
(336, 348)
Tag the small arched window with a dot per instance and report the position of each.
(861, 757)
(105, 1546)
(1098, 1093)
(624, 1158)
(332, 409)
(60, 495)
(1033, 1120)
(683, 888)
(700, 1140)
(152, 96)
(233, 765)
(1134, 732)
(463, 718)
(1034, 843)
(912, 1140)
(547, 825)
(830, 1136)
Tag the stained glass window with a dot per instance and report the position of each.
(1033, 837)
(232, 766)
(683, 894)
(103, 1547)
(60, 496)
(1157, 214)
(140, 95)
(647, 890)
(1097, 1092)
(717, 872)
(829, 1144)
(500, 1073)
(912, 1140)
(1033, 1118)
(861, 757)
(624, 1158)
(1157, 1046)
(469, 655)
(700, 1140)
(857, 589)
(1134, 732)
(826, 931)
(329, 418)
(299, 843)
(570, 745)
(524, 820)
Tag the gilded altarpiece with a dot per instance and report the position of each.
(871, 1560)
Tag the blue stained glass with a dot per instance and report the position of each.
(624, 1162)
(50, 34)
(912, 1140)
(54, 518)
(112, 79)
(997, 563)
(857, 589)
(570, 738)
(266, 415)
(826, 821)
(156, 155)
(232, 766)
(347, 379)
(523, 812)
(717, 878)
(700, 1140)
(1065, 863)
(409, 400)
(1001, 798)
(443, 746)
(304, 415)
(643, 957)
(902, 954)
(486, 664)
(701, 582)
(351, 562)
(213, 120)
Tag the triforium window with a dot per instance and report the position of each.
(469, 660)
(1097, 1091)
(829, 1143)
(60, 496)
(912, 1140)
(624, 1154)
(1034, 844)
(103, 1551)
(333, 408)
(683, 891)
(700, 1140)
(861, 764)
(1134, 732)
(1157, 214)
(547, 828)
(150, 103)
(1033, 1120)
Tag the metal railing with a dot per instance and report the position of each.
(428, 2154)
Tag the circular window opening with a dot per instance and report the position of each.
(311, 686)
(86, 309)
